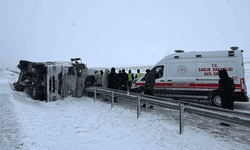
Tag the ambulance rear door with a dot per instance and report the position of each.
(208, 66)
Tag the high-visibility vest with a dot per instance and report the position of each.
(139, 75)
(130, 76)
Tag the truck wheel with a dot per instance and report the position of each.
(215, 99)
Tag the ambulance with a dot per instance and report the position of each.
(195, 75)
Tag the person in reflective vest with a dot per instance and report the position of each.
(130, 78)
(138, 74)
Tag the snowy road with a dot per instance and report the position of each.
(10, 129)
(80, 123)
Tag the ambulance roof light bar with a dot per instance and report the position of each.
(234, 48)
(179, 51)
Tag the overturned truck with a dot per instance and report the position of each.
(52, 80)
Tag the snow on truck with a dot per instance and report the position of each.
(195, 75)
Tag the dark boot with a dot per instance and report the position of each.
(115, 99)
(151, 107)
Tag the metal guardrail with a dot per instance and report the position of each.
(240, 118)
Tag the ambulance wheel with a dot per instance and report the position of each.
(215, 99)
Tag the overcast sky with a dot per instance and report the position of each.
(119, 32)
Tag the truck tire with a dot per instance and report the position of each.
(215, 99)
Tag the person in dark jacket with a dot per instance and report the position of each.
(113, 80)
(149, 84)
(101, 72)
(119, 78)
(98, 79)
(124, 80)
(226, 89)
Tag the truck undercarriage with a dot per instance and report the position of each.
(49, 80)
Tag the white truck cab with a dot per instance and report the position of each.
(196, 74)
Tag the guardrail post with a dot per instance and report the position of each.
(128, 90)
(145, 101)
(181, 117)
(112, 98)
(94, 94)
(138, 105)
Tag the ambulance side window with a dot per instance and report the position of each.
(159, 72)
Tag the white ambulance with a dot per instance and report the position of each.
(195, 75)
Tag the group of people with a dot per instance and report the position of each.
(113, 80)
(123, 80)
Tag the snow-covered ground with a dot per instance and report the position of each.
(82, 124)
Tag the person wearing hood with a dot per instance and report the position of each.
(226, 89)
(105, 82)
